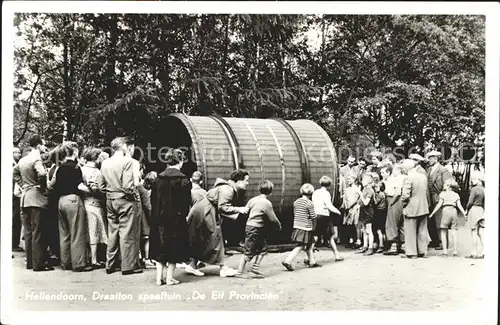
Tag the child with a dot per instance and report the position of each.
(303, 213)
(260, 210)
(351, 211)
(366, 213)
(145, 194)
(380, 215)
(326, 225)
(475, 215)
(450, 201)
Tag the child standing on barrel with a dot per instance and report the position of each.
(260, 211)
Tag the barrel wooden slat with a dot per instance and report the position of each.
(268, 148)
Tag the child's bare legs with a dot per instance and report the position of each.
(293, 254)
(370, 235)
(93, 250)
(454, 239)
(380, 239)
(365, 237)
(475, 240)
(359, 234)
(480, 234)
(444, 241)
(256, 264)
(310, 255)
(334, 245)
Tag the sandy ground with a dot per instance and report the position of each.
(361, 283)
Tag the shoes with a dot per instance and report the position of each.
(135, 271)
(200, 265)
(288, 266)
(161, 282)
(17, 249)
(379, 251)
(422, 255)
(339, 259)
(411, 257)
(98, 265)
(314, 265)
(172, 282)
(181, 265)
(111, 271)
(257, 274)
(361, 250)
(84, 269)
(226, 272)
(192, 271)
(43, 269)
(242, 275)
(369, 252)
(391, 252)
(439, 248)
(149, 264)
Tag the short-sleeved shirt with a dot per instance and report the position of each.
(366, 211)
(476, 197)
(449, 198)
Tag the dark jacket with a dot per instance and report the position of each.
(170, 202)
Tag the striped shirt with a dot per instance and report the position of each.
(303, 214)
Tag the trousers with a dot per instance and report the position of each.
(16, 221)
(34, 237)
(416, 235)
(73, 232)
(394, 223)
(123, 234)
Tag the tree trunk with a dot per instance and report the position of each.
(322, 66)
(111, 130)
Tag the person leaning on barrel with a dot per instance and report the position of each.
(205, 219)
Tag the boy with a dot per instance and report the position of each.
(366, 213)
(380, 215)
(260, 211)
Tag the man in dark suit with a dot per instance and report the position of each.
(415, 211)
(437, 175)
(30, 174)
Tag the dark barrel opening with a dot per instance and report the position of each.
(171, 133)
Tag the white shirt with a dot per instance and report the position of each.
(322, 201)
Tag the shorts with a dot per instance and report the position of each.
(379, 220)
(449, 218)
(323, 226)
(255, 242)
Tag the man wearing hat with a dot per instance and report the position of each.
(437, 176)
(415, 211)
(418, 160)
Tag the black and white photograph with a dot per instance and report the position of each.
(250, 156)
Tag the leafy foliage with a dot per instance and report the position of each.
(386, 78)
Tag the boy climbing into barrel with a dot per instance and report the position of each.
(260, 211)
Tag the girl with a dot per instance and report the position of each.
(475, 215)
(260, 212)
(450, 201)
(366, 214)
(351, 211)
(303, 212)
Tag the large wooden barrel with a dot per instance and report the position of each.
(288, 153)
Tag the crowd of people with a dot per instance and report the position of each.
(71, 203)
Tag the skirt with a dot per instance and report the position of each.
(97, 229)
(302, 237)
(475, 216)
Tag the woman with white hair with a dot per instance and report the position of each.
(475, 215)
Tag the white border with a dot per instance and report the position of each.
(491, 10)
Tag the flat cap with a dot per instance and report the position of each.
(416, 157)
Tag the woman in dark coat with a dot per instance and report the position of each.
(170, 202)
